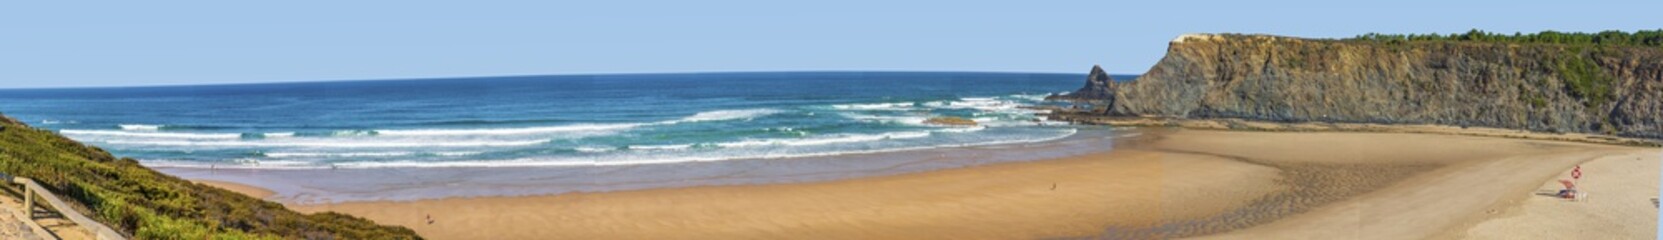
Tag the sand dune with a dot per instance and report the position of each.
(1166, 183)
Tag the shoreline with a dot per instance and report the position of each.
(316, 186)
(244, 189)
(1061, 197)
(1236, 124)
(1255, 205)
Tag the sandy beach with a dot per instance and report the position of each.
(1160, 184)
(251, 191)
(1619, 205)
(1126, 188)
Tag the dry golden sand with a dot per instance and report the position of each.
(1472, 178)
(1619, 205)
(1171, 183)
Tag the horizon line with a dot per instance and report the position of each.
(279, 82)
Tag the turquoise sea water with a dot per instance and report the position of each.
(545, 120)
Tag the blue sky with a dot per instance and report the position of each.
(132, 43)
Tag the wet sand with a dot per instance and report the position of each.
(319, 186)
(251, 191)
(1017, 200)
(1163, 184)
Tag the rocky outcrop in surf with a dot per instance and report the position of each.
(1099, 87)
(1599, 89)
(950, 121)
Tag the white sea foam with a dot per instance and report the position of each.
(991, 112)
(571, 162)
(509, 131)
(874, 106)
(661, 147)
(139, 127)
(914, 120)
(721, 115)
(317, 154)
(360, 154)
(453, 154)
(149, 134)
(577, 162)
(594, 149)
(353, 133)
(331, 144)
(718, 115)
(831, 139)
(978, 103)
(963, 129)
(792, 131)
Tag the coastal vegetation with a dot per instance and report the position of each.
(1583, 78)
(145, 204)
(1650, 38)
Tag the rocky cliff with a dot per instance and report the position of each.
(1615, 90)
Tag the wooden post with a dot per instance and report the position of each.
(28, 203)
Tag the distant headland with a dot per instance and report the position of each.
(1607, 83)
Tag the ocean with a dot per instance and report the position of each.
(567, 120)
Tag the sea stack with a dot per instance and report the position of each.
(1099, 90)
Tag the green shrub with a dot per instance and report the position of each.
(146, 204)
(1585, 79)
(1651, 38)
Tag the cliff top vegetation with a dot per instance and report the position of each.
(1649, 38)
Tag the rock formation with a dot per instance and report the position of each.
(1097, 94)
(950, 121)
(1099, 86)
(1615, 90)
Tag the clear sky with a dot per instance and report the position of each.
(129, 43)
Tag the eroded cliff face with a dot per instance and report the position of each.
(1540, 87)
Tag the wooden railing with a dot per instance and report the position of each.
(24, 216)
(30, 189)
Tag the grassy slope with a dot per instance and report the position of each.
(150, 205)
